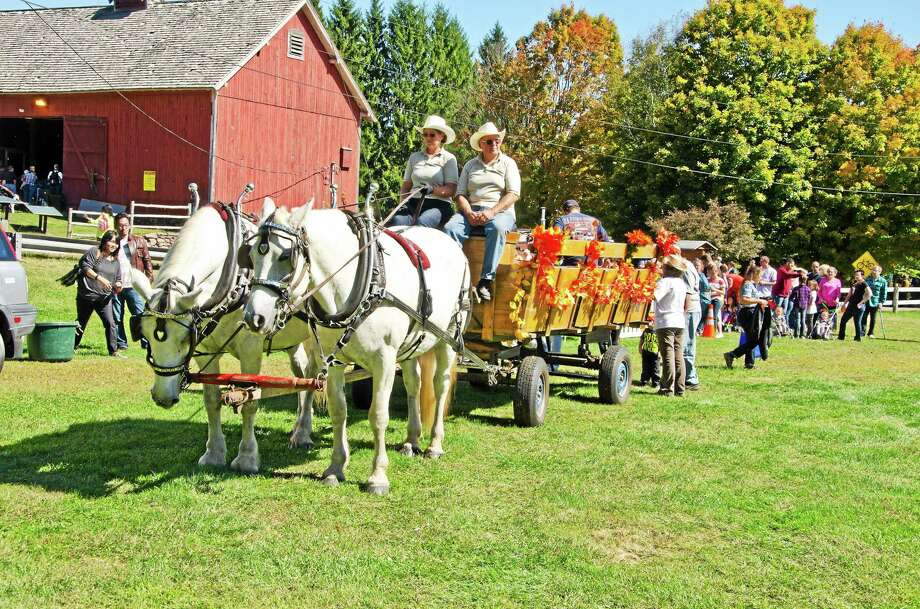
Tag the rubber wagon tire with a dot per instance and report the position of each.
(362, 393)
(615, 376)
(532, 393)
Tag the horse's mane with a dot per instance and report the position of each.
(189, 243)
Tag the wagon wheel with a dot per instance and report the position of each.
(615, 376)
(362, 393)
(532, 392)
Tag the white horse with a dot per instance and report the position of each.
(187, 279)
(311, 247)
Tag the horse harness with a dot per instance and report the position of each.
(233, 288)
(367, 293)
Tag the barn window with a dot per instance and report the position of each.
(295, 44)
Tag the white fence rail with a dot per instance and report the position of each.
(145, 221)
(138, 219)
(897, 298)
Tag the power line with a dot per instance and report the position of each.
(525, 138)
(625, 126)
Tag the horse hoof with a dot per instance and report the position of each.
(210, 459)
(331, 480)
(407, 450)
(378, 489)
(245, 464)
(300, 444)
(434, 454)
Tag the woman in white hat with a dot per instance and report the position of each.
(490, 184)
(434, 168)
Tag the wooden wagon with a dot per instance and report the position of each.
(512, 330)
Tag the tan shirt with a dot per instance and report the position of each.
(485, 184)
(435, 170)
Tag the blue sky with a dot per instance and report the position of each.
(637, 17)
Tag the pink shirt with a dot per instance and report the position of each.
(829, 291)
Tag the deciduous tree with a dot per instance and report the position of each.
(726, 225)
(870, 108)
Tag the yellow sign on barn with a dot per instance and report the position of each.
(150, 181)
(865, 263)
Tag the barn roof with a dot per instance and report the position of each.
(695, 245)
(181, 44)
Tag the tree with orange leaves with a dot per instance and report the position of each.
(870, 107)
(556, 76)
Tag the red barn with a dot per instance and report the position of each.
(138, 99)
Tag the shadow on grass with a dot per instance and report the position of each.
(98, 459)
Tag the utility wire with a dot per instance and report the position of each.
(621, 158)
(625, 126)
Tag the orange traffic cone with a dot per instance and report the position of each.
(709, 330)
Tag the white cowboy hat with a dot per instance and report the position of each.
(487, 129)
(433, 121)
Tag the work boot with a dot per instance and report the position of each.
(484, 290)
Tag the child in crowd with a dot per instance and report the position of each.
(717, 295)
(779, 326)
(824, 326)
(812, 307)
(648, 347)
(104, 221)
(799, 297)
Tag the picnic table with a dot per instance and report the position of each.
(43, 212)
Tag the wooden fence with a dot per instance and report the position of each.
(140, 214)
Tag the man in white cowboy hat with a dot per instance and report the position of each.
(434, 169)
(490, 184)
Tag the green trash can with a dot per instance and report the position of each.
(52, 341)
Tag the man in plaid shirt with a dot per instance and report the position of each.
(29, 180)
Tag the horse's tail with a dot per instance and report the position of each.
(427, 366)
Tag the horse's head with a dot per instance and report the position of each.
(170, 334)
(280, 266)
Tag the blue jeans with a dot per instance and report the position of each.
(693, 320)
(434, 213)
(135, 305)
(459, 229)
(28, 191)
(797, 322)
(856, 314)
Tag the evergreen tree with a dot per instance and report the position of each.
(409, 93)
(318, 6)
(494, 50)
(345, 25)
(373, 84)
(452, 65)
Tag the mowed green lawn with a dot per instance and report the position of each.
(795, 485)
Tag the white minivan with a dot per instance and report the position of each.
(17, 316)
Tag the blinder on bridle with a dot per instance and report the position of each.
(244, 255)
(161, 315)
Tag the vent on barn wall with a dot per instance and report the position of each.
(129, 5)
(295, 44)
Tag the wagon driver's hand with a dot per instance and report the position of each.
(487, 214)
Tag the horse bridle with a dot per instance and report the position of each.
(282, 288)
(193, 324)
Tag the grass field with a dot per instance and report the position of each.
(795, 485)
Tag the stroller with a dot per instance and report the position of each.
(779, 326)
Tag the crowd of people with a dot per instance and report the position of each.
(28, 186)
(763, 303)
